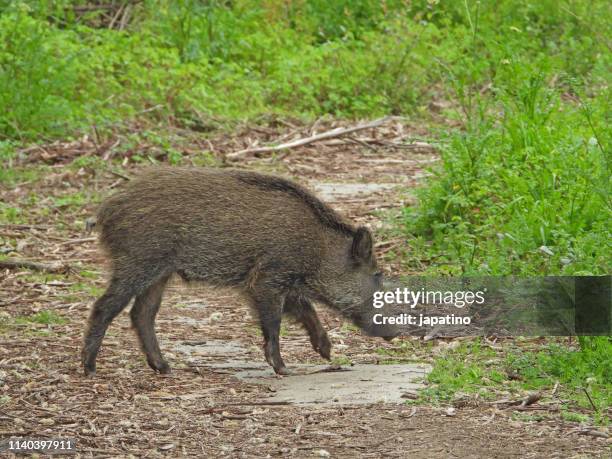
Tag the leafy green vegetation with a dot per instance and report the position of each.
(524, 186)
(536, 176)
(583, 375)
(10, 214)
(44, 317)
(62, 73)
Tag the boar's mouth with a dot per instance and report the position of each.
(361, 313)
(362, 317)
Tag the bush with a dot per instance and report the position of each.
(62, 72)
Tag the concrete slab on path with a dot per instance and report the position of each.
(312, 384)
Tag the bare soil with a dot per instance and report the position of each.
(208, 407)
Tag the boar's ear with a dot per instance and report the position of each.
(361, 249)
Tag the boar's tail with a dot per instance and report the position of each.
(326, 214)
(107, 217)
(90, 224)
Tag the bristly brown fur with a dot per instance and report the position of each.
(326, 214)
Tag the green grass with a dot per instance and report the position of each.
(404, 351)
(10, 214)
(86, 288)
(475, 369)
(538, 176)
(13, 176)
(528, 168)
(44, 317)
(76, 201)
(341, 360)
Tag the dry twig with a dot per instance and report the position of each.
(590, 399)
(307, 140)
(50, 268)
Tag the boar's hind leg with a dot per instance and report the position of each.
(303, 311)
(143, 315)
(105, 309)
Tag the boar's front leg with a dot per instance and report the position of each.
(270, 326)
(269, 306)
(303, 311)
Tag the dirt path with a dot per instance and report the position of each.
(220, 399)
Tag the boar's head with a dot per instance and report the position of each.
(349, 277)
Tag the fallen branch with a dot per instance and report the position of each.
(118, 174)
(50, 268)
(270, 403)
(590, 399)
(594, 433)
(554, 391)
(17, 226)
(329, 369)
(78, 241)
(307, 140)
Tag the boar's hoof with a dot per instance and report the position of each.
(323, 347)
(284, 371)
(160, 367)
(164, 369)
(89, 371)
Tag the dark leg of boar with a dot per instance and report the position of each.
(105, 309)
(143, 315)
(270, 320)
(268, 302)
(303, 311)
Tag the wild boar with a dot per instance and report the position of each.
(266, 236)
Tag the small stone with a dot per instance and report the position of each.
(141, 398)
(215, 316)
(546, 250)
(322, 453)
